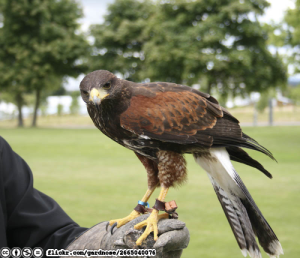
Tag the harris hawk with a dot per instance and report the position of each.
(162, 121)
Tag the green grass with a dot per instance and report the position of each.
(94, 179)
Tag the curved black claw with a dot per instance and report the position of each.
(112, 227)
(107, 226)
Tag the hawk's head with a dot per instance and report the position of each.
(99, 85)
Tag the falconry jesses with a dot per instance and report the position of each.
(162, 121)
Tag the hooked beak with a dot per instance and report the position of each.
(97, 95)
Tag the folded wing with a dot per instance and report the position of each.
(179, 114)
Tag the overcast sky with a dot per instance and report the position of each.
(94, 10)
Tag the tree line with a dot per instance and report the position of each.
(220, 45)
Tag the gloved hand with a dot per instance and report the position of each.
(173, 237)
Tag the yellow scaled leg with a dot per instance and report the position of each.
(134, 214)
(152, 220)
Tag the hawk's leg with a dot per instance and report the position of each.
(152, 220)
(152, 171)
(172, 170)
(134, 214)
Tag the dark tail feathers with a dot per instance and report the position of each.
(239, 222)
(254, 145)
(246, 222)
(266, 236)
(239, 155)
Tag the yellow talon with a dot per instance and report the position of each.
(134, 214)
(120, 222)
(163, 216)
(152, 220)
(151, 223)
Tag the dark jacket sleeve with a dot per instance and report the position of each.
(32, 219)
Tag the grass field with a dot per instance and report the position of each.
(94, 179)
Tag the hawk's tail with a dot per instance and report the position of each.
(244, 217)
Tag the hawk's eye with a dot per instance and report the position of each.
(85, 92)
(107, 86)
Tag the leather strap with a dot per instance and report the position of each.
(159, 205)
(141, 209)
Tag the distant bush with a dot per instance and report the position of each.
(262, 103)
(59, 109)
(74, 107)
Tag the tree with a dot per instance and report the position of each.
(264, 100)
(119, 41)
(292, 19)
(212, 42)
(39, 44)
(294, 94)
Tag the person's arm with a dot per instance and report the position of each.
(32, 219)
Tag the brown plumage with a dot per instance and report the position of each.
(162, 121)
(175, 117)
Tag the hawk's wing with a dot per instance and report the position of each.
(179, 115)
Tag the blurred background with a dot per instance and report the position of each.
(246, 53)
